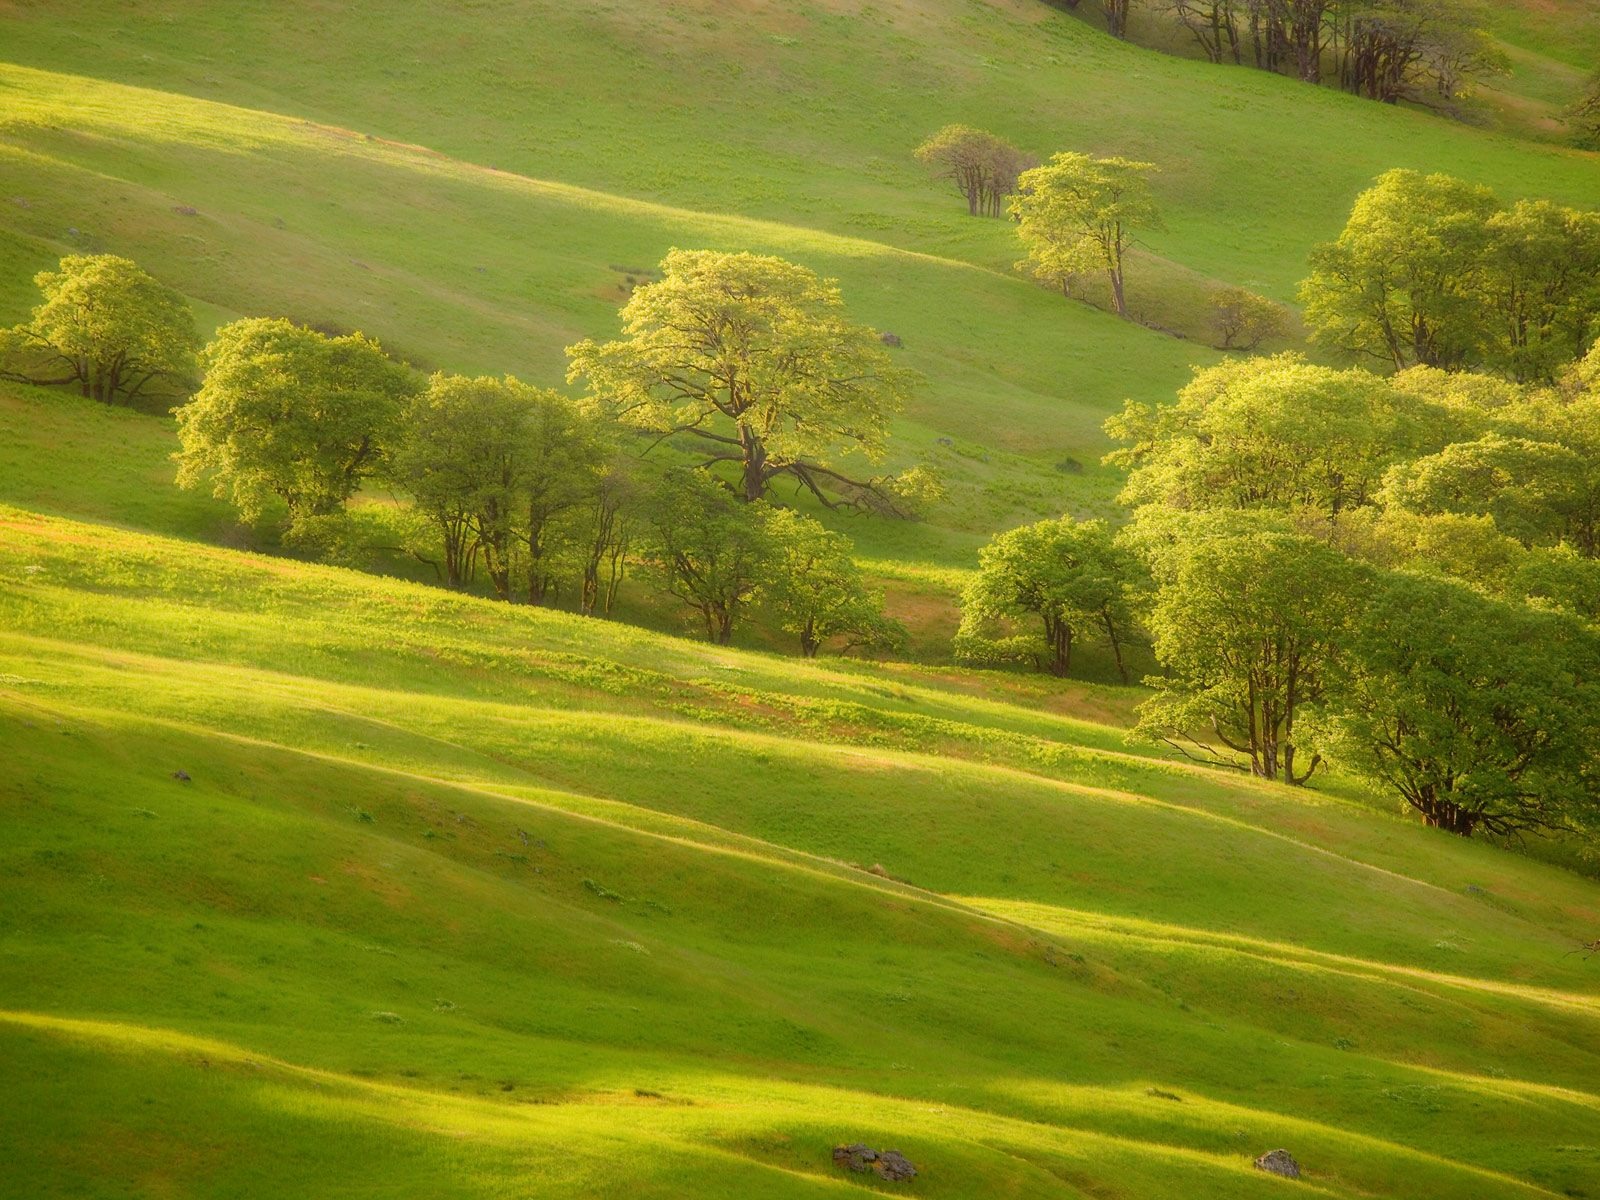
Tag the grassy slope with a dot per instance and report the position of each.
(1082, 924)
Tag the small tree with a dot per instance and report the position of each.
(814, 589)
(752, 359)
(1078, 213)
(287, 412)
(983, 167)
(1247, 627)
(1584, 114)
(603, 529)
(107, 326)
(1480, 714)
(711, 550)
(1243, 320)
(1069, 576)
(564, 456)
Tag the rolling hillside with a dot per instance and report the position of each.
(320, 883)
(516, 903)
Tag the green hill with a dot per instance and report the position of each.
(331, 884)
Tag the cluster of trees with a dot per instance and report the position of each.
(1399, 575)
(1434, 271)
(1076, 214)
(983, 167)
(1422, 51)
(1078, 218)
(747, 365)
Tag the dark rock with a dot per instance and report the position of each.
(890, 1164)
(181, 776)
(944, 441)
(890, 339)
(894, 1166)
(855, 1157)
(1279, 1162)
(186, 210)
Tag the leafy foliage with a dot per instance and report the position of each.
(1433, 271)
(1070, 576)
(814, 589)
(1246, 626)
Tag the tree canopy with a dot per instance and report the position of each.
(1276, 433)
(1433, 271)
(107, 326)
(753, 360)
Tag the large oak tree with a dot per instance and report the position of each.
(753, 360)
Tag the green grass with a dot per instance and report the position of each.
(540, 903)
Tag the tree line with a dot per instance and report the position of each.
(1428, 52)
(747, 367)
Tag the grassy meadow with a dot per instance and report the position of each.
(327, 883)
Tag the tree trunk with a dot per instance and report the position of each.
(755, 463)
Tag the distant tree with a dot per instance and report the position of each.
(603, 530)
(1214, 24)
(1540, 286)
(1290, 35)
(562, 467)
(1583, 116)
(1243, 320)
(1077, 214)
(1267, 433)
(108, 327)
(753, 357)
(1069, 576)
(284, 411)
(983, 167)
(814, 589)
(1479, 713)
(1399, 284)
(711, 550)
(1114, 11)
(462, 456)
(1246, 627)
